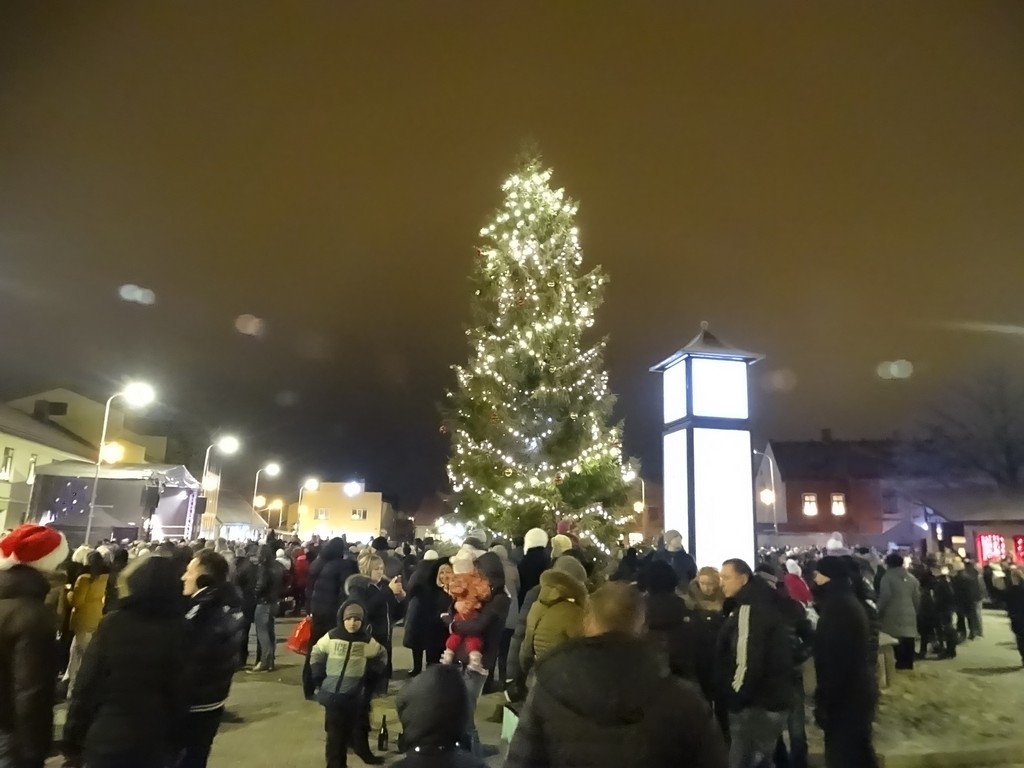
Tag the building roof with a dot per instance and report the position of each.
(20, 424)
(830, 459)
(173, 475)
(974, 505)
(232, 509)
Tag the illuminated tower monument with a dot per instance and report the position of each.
(709, 483)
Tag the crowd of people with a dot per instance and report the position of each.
(653, 662)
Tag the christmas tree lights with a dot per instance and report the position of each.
(530, 418)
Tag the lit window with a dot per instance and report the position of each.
(7, 468)
(810, 504)
(358, 514)
(31, 479)
(838, 504)
(321, 513)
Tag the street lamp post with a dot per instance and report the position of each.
(309, 484)
(137, 395)
(273, 469)
(775, 499)
(227, 444)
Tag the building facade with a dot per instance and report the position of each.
(331, 511)
(26, 445)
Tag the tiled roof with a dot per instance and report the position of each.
(825, 460)
(974, 505)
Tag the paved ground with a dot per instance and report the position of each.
(942, 708)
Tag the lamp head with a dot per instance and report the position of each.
(228, 444)
(138, 394)
(311, 484)
(273, 469)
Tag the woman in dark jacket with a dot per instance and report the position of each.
(129, 701)
(425, 632)
(669, 621)
(707, 602)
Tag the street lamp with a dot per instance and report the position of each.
(768, 494)
(136, 394)
(353, 488)
(226, 444)
(309, 484)
(273, 469)
(641, 505)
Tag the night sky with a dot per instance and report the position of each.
(833, 186)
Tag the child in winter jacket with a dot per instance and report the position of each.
(469, 590)
(339, 663)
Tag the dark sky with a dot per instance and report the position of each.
(826, 183)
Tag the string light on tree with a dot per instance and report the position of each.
(530, 416)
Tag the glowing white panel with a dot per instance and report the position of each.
(723, 482)
(677, 498)
(719, 388)
(674, 383)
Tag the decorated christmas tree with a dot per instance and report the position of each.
(530, 421)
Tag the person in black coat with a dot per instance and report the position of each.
(1012, 598)
(534, 562)
(213, 626)
(847, 692)
(269, 588)
(325, 592)
(425, 632)
(669, 621)
(245, 582)
(432, 709)
(675, 555)
(129, 702)
(579, 713)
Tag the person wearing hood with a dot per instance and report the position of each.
(325, 591)
(794, 583)
(300, 579)
(557, 616)
(425, 632)
(899, 599)
(535, 561)
(119, 561)
(512, 588)
(341, 661)
(639, 717)
(755, 653)
(28, 653)
(675, 555)
(212, 629)
(86, 600)
(129, 705)
(670, 623)
(433, 709)
(847, 690)
(269, 584)
(487, 624)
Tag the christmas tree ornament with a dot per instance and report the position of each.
(508, 471)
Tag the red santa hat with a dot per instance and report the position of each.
(37, 546)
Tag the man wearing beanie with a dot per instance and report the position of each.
(28, 651)
(535, 561)
(847, 692)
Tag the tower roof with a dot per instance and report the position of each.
(706, 344)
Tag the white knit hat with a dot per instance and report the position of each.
(81, 555)
(462, 561)
(794, 567)
(560, 544)
(835, 546)
(430, 555)
(535, 537)
(37, 546)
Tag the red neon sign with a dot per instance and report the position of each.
(990, 546)
(1018, 549)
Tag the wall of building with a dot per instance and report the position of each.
(863, 506)
(328, 512)
(85, 419)
(15, 488)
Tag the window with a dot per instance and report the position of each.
(838, 504)
(7, 468)
(810, 504)
(358, 514)
(31, 478)
(321, 513)
(890, 503)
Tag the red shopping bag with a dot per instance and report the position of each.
(298, 641)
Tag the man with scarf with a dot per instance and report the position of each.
(847, 692)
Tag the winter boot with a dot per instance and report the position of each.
(448, 656)
(476, 663)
